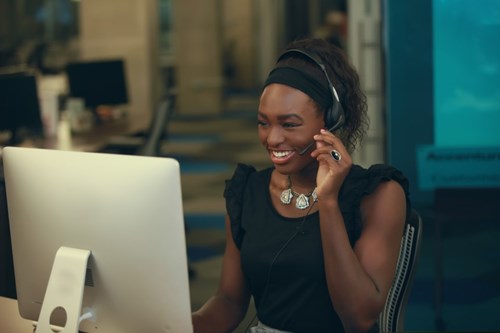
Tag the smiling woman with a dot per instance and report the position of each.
(314, 238)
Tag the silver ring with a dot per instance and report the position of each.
(336, 155)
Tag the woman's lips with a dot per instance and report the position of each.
(281, 156)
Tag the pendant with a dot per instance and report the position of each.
(302, 202)
(314, 196)
(286, 196)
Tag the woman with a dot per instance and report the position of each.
(314, 238)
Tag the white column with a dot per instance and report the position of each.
(198, 58)
(365, 50)
(269, 31)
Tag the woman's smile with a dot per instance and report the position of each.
(281, 156)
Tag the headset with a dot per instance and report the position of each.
(334, 117)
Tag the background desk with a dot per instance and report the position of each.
(94, 139)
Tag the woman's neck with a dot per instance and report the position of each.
(304, 180)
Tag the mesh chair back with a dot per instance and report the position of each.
(392, 317)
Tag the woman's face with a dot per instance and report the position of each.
(288, 119)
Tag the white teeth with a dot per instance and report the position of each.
(281, 154)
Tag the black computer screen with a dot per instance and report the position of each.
(19, 105)
(7, 280)
(100, 82)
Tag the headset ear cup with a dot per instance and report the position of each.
(329, 119)
(334, 117)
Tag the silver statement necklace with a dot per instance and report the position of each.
(301, 201)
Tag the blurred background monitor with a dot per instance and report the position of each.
(99, 82)
(20, 115)
(126, 210)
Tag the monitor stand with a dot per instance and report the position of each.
(65, 290)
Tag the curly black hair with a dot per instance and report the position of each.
(344, 78)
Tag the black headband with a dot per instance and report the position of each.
(302, 81)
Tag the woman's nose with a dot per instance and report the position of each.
(275, 137)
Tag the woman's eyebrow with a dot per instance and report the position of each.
(282, 116)
(289, 115)
(260, 114)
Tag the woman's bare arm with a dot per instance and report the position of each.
(226, 309)
(359, 279)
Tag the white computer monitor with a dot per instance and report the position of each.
(125, 212)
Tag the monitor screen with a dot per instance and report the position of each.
(127, 211)
(19, 105)
(100, 82)
(7, 284)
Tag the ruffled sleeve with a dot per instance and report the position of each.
(379, 173)
(363, 182)
(234, 194)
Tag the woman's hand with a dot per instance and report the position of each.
(334, 163)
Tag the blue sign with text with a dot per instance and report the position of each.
(467, 167)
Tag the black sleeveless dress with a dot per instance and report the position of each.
(282, 258)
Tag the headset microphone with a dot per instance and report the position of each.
(331, 129)
(303, 151)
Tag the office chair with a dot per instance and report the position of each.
(148, 144)
(158, 128)
(392, 317)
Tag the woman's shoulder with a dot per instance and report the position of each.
(245, 178)
(234, 193)
(367, 179)
(242, 174)
(362, 182)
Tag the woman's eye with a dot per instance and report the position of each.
(289, 125)
(261, 123)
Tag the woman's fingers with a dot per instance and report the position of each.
(330, 147)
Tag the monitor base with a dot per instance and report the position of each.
(64, 292)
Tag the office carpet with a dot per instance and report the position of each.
(208, 149)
